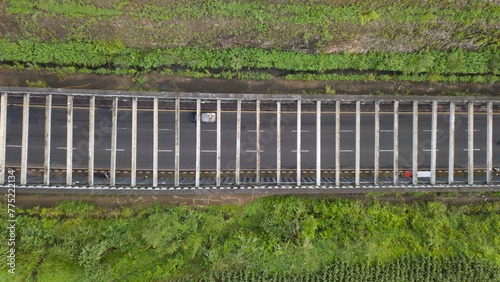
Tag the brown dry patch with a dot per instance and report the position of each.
(211, 85)
(28, 201)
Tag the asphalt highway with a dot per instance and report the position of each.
(268, 139)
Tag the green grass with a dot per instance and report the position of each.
(271, 237)
(314, 25)
(442, 40)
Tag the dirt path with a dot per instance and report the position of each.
(278, 85)
(26, 201)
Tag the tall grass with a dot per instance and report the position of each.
(272, 237)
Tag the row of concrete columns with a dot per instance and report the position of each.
(114, 109)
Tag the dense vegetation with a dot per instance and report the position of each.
(274, 238)
(113, 57)
(439, 40)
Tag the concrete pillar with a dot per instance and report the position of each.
(489, 142)
(396, 143)
(155, 142)
(470, 136)
(318, 143)
(451, 151)
(433, 141)
(299, 135)
(48, 127)
(114, 133)
(238, 143)
(91, 140)
(217, 176)
(337, 143)
(257, 147)
(358, 143)
(198, 141)
(69, 142)
(377, 144)
(133, 173)
(415, 143)
(278, 142)
(24, 139)
(177, 142)
(3, 136)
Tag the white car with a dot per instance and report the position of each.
(205, 117)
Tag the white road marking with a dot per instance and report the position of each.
(209, 151)
(302, 131)
(302, 151)
(474, 130)
(118, 150)
(74, 126)
(165, 151)
(160, 129)
(473, 149)
(346, 151)
(429, 130)
(253, 151)
(429, 150)
(64, 148)
(15, 146)
(386, 150)
(255, 130)
(209, 130)
(386, 130)
(346, 130)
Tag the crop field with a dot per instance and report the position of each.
(443, 40)
(271, 239)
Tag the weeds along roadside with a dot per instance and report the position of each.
(273, 236)
(482, 66)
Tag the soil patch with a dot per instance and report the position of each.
(157, 82)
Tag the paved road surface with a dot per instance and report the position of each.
(268, 139)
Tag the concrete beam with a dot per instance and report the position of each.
(24, 139)
(337, 143)
(91, 140)
(396, 143)
(470, 139)
(489, 143)
(415, 143)
(451, 146)
(48, 127)
(377, 144)
(318, 143)
(299, 135)
(3, 136)
(133, 173)
(69, 142)
(177, 142)
(238, 142)
(155, 142)
(217, 175)
(257, 146)
(278, 142)
(433, 141)
(358, 143)
(114, 133)
(198, 141)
